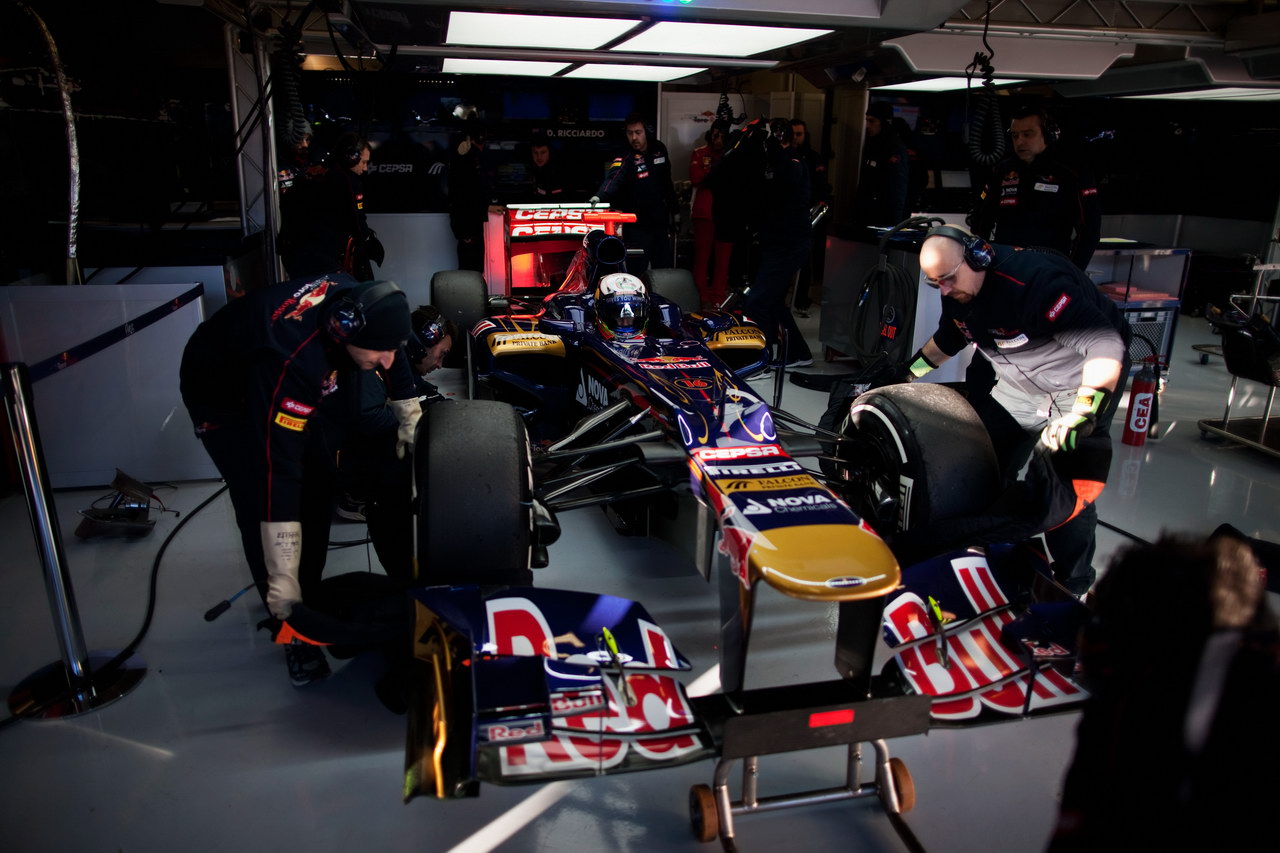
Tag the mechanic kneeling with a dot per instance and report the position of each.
(255, 378)
(1059, 350)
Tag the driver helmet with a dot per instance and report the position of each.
(622, 305)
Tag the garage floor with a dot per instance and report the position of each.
(215, 751)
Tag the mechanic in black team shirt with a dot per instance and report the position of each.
(255, 377)
(639, 181)
(1038, 197)
(1059, 350)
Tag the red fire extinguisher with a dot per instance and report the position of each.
(1142, 395)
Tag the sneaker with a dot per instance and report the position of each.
(806, 361)
(349, 508)
(306, 663)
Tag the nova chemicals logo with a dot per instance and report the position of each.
(694, 384)
(845, 582)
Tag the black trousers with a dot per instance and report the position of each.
(1072, 545)
(246, 477)
(766, 301)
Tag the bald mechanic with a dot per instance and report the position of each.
(255, 378)
(1059, 350)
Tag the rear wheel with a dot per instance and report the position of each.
(472, 472)
(919, 455)
(461, 296)
(676, 285)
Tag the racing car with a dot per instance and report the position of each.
(607, 393)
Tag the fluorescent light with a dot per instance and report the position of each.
(715, 39)
(1226, 93)
(942, 84)
(546, 31)
(501, 66)
(646, 73)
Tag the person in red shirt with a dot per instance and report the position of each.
(710, 256)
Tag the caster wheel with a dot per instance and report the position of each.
(1204, 358)
(703, 814)
(903, 784)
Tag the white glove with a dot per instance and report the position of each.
(595, 199)
(407, 413)
(282, 551)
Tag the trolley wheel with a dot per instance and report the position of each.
(1204, 358)
(903, 785)
(703, 814)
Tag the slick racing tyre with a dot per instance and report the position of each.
(918, 455)
(474, 503)
(676, 285)
(461, 296)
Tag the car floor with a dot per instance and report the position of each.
(215, 750)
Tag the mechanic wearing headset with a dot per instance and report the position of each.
(324, 225)
(639, 181)
(376, 480)
(1059, 350)
(254, 378)
(1039, 198)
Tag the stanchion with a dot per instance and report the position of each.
(67, 687)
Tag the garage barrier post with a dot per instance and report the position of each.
(66, 687)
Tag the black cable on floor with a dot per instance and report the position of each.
(1124, 533)
(126, 653)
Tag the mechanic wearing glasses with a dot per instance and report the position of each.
(1059, 350)
(259, 379)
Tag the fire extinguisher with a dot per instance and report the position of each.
(1142, 396)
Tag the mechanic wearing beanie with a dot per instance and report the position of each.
(881, 196)
(255, 377)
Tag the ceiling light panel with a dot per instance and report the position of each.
(1226, 93)
(501, 66)
(715, 39)
(644, 73)
(546, 31)
(941, 84)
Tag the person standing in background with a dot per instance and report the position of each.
(711, 256)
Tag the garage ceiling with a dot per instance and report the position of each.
(1080, 47)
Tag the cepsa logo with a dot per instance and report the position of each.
(753, 451)
(541, 215)
(541, 228)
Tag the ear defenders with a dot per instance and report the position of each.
(348, 150)
(978, 253)
(349, 315)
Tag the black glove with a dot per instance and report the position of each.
(373, 248)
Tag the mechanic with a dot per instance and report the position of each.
(819, 193)
(376, 481)
(1039, 197)
(468, 198)
(547, 183)
(255, 377)
(1059, 350)
(881, 196)
(711, 256)
(784, 233)
(324, 230)
(639, 181)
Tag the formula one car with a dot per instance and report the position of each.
(608, 394)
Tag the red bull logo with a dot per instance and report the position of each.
(310, 299)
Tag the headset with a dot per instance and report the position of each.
(348, 316)
(978, 254)
(1048, 127)
(348, 150)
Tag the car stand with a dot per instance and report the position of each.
(787, 719)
